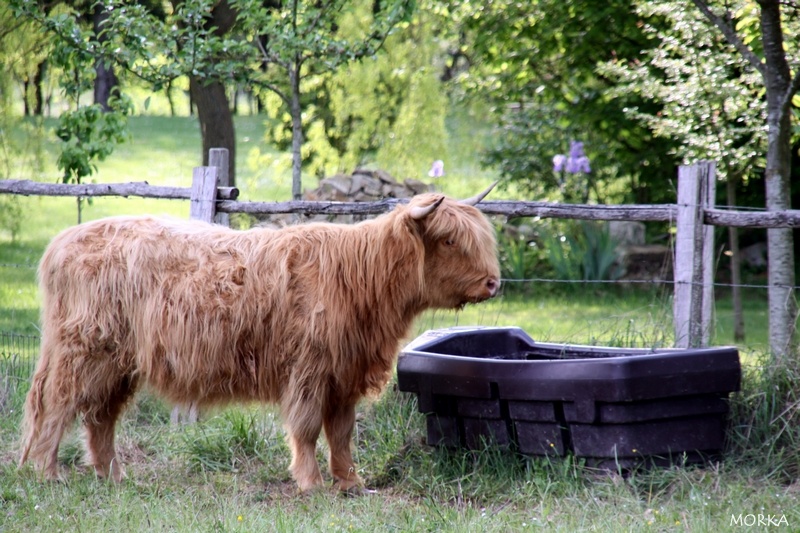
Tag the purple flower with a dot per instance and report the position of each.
(437, 170)
(576, 162)
(580, 164)
(576, 150)
(558, 162)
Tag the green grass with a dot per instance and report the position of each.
(230, 471)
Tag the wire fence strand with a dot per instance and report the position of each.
(18, 354)
(623, 281)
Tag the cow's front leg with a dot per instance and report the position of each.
(339, 421)
(303, 421)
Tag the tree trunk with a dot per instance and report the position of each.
(297, 133)
(736, 265)
(106, 80)
(170, 98)
(774, 69)
(38, 92)
(34, 97)
(216, 121)
(780, 242)
(210, 100)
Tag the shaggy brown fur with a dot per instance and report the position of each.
(309, 317)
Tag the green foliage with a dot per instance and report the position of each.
(523, 151)
(22, 49)
(16, 368)
(585, 252)
(307, 33)
(89, 134)
(302, 41)
(518, 259)
(371, 112)
(521, 258)
(384, 428)
(269, 47)
(708, 96)
(21, 154)
(11, 216)
(564, 261)
(536, 62)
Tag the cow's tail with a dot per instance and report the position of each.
(34, 407)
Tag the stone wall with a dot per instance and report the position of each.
(361, 186)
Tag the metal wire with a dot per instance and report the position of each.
(18, 265)
(563, 281)
(644, 282)
(18, 355)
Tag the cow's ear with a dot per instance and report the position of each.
(421, 212)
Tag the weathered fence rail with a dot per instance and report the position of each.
(519, 209)
(86, 190)
(212, 199)
(225, 200)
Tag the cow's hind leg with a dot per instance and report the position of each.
(100, 418)
(303, 421)
(339, 422)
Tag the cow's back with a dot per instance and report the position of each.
(164, 297)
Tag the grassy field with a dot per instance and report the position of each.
(230, 471)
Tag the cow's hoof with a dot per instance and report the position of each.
(356, 491)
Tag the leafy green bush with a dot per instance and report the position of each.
(21, 154)
(89, 134)
(10, 216)
(585, 252)
(519, 259)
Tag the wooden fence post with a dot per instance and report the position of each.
(694, 256)
(218, 157)
(204, 194)
(205, 181)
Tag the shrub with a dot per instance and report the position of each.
(519, 259)
(765, 419)
(585, 252)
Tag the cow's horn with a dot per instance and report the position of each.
(475, 199)
(420, 212)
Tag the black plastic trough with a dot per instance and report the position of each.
(614, 406)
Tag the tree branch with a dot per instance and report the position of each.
(270, 86)
(793, 89)
(322, 9)
(726, 27)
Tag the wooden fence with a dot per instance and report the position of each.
(694, 215)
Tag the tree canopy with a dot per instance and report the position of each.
(350, 82)
(537, 63)
(259, 45)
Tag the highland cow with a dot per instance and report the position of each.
(309, 317)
